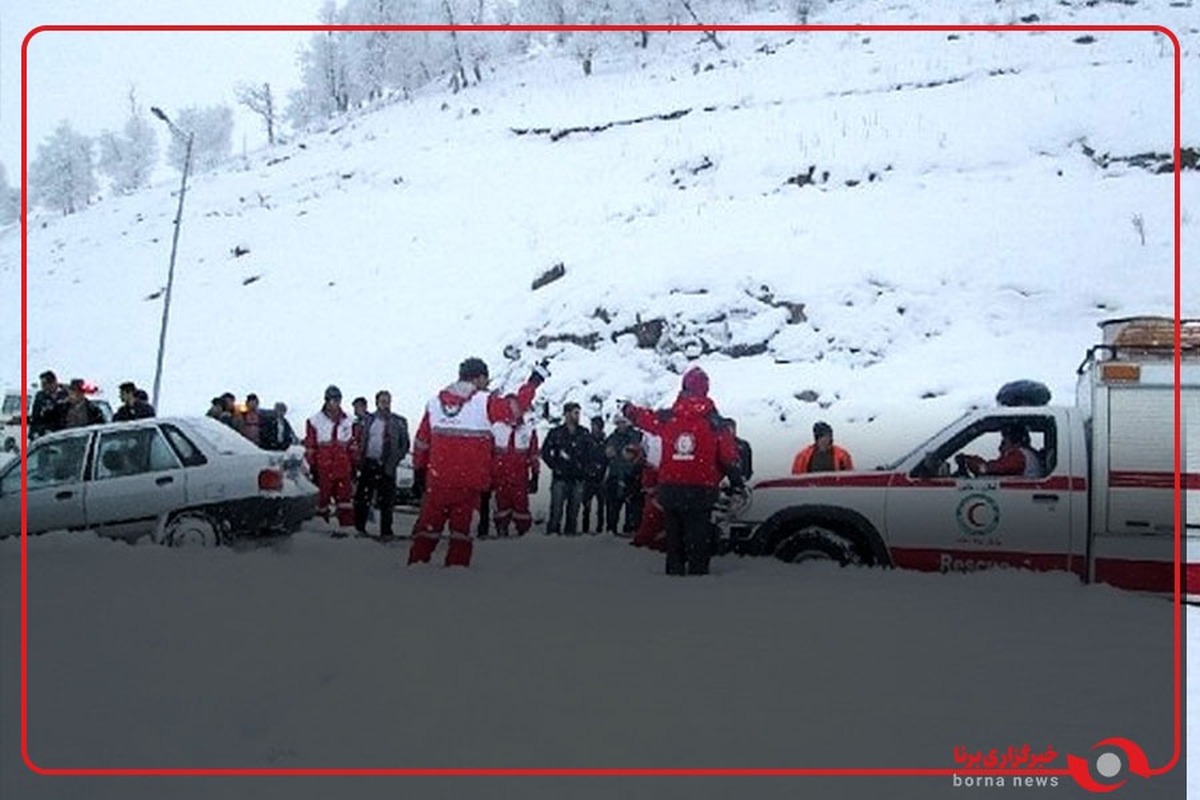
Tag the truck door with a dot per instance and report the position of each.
(941, 518)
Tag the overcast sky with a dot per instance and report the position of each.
(85, 77)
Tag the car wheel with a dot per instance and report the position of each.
(192, 530)
(814, 542)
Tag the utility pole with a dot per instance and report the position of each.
(166, 313)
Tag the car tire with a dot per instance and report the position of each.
(193, 529)
(816, 542)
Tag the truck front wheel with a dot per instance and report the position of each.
(816, 542)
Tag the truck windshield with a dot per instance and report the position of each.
(927, 444)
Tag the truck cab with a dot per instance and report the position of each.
(1099, 500)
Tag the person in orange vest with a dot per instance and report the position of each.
(453, 446)
(822, 455)
(331, 448)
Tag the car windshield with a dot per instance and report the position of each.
(220, 437)
(12, 405)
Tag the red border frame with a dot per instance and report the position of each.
(761, 772)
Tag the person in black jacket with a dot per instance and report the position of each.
(43, 416)
(131, 407)
(382, 443)
(745, 453)
(623, 485)
(593, 480)
(567, 451)
(275, 432)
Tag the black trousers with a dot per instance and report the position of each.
(688, 511)
(621, 493)
(373, 482)
(593, 491)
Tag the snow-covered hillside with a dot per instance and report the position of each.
(876, 229)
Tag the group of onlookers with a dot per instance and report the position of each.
(267, 428)
(655, 477)
(57, 407)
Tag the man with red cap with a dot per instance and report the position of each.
(453, 446)
(698, 449)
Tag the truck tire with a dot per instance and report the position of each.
(193, 529)
(816, 542)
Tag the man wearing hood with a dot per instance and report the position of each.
(454, 446)
(698, 449)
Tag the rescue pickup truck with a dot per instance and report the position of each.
(1104, 505)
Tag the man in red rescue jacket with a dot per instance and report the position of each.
(454, 446)
(331, 448)
(515, 466)
(698, 449)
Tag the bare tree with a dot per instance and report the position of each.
(709, 34)
(259, 100)
(458, 77)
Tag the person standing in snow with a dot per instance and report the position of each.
(593, 480)
(514, 473)
(567, 451)
(252, 420)
(822, 455)
(331, 450)
(131, 407)
(276, 431)
(652, 527)
(623, 488)
(382, 443)
(453, 446)
(43, 416)
(697, 451)
(745, 452)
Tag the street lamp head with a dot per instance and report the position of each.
(158, 112)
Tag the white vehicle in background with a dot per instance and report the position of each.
(10, 416)
(1104, 507)
(178, 480)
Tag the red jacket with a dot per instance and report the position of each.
(329, 442)
(454, 439)
(515, 454)
(697, 447)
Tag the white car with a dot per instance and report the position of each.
(177, 480)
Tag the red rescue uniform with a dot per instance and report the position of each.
(454, 444)
(515, 460)
(330, 445)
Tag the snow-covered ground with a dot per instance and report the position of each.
(562, 653)
(962, 238)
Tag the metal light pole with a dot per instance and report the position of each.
(187, 164)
